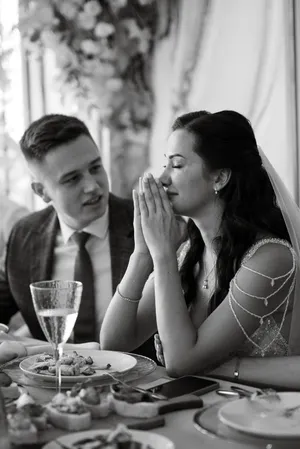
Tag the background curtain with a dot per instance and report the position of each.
(233, 54)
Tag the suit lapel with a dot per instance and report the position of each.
(120, 238)
(42, 248)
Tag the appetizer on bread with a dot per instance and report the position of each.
(68, 413)
(93, 399)
(36, 412)
(9, 388)
(127, 401)
(20, 427)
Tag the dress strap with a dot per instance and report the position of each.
(290, 275)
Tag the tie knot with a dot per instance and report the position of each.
(81, 238)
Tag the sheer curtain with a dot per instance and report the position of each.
(231, 55)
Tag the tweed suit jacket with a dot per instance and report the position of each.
(30, 257)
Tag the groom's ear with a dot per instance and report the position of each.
(222, 178)
(40, 190)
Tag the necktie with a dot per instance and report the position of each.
(85, 329)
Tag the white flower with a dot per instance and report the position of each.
(135, 32)
(104, 29)
(86, 21)
(68, 9)
(107, 53)
(92, 7)
(105, 113)
(45, 14)
(117, 4)
(32, 47)
(89, 47)
(107, 69)
(65, 57)
(125, 118)
(132, 27)
(114, 84)
(49, 39)
(145, 2)
(144, 41)
(91, 66)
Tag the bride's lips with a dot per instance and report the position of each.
(170, 194)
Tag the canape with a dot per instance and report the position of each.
(21, 429)
(126, 401)
(68, 413)
(93, 399)
(9, 388)
(36, 412)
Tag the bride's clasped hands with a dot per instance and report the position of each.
(159, 225)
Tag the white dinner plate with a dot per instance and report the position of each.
(264, 416)
(120, 363)
(153, 440)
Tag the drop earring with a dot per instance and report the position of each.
(216, 191)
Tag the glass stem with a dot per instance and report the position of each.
(58, 351)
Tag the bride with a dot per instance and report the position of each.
(224, 303)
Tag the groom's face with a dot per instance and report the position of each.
(72, 177)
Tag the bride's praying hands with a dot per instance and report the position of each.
(225, 300)
(160, 228)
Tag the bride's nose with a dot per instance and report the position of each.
(165, 178)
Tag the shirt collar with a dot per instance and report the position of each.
(97, 228)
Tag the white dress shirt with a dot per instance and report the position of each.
(99, 250)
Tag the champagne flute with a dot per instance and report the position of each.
(56, 304)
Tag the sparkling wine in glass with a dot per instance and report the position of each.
(56, 304)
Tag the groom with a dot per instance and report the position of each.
(69, 176)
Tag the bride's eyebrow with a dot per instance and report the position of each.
(174, 155)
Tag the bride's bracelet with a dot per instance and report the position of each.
(125, 297)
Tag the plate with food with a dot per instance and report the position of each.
(118, 438)
(77, 366)
(275, 415)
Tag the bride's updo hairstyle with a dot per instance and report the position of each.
(226, 139)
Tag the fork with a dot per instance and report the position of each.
(16, 359)
(288, 412)
(270, 392)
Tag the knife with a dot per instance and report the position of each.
(186, 402)
(147, 423)
(172, 405)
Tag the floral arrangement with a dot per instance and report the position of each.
(103, 51)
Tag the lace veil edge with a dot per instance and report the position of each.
(291, 215)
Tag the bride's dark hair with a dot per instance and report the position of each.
(226, 139)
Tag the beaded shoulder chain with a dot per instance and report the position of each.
(286, 276)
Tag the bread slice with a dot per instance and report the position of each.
(93, 399)
(99, 410)
(69, 421)
(20, 428)
(127, 401)
(11, 392)
(134, 410)
(68, 413)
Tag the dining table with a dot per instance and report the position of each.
(181, 426)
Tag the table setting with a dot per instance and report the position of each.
(81, 397)
(209, 421)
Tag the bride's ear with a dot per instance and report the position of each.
(222, 178)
